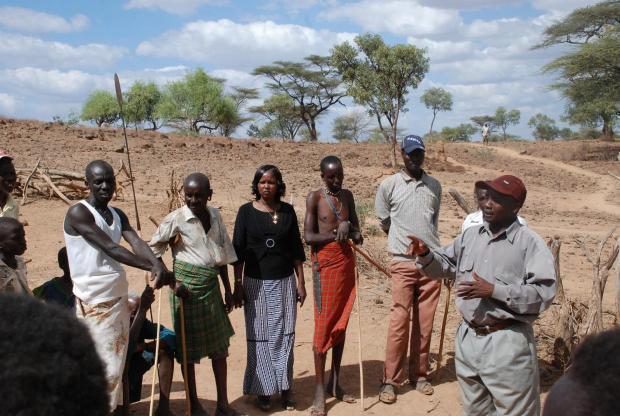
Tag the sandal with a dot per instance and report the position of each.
(264, 403)
(288, 402)
(424, 387)
(387, 394)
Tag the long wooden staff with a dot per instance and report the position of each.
(188, 402)
(359, 329)
(156, 366)
(371, 260)
(443, 328)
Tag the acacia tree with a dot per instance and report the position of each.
(240, 97)
(196, 103)
(313, 85)
(589, 75)
(101, 108)
(350, 127)
(141, 103)
(379, 76)
(544, 127)
(436, 99)
(504, 118)
(282, 116)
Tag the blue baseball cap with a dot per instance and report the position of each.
(411, 143)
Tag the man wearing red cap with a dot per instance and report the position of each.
(505, 278)
(8, 177)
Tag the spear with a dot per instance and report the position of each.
(119, 98)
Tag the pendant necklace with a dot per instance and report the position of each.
(273, 214)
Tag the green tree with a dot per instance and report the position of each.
(141, 103)
(589, 75)
(379, 77)
(101, 108)
(240, 97)
(313, 85)
(350, 127)
(436, 99)
(196, 103)
(504, 118)
(460, 133)
(544, 127)
(282, 117)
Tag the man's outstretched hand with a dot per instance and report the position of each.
(479, 288)
(417, 247)
(161, 276)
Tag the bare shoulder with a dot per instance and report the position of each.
(313, 196)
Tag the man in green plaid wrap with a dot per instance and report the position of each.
(201, 250)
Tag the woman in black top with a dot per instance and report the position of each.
(270, 252)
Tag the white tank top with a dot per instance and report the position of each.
(96, 276)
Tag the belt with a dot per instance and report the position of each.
(489, 329)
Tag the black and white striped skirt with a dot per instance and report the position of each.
(270, 314)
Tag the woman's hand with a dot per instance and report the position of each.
(238, 295)
(301, 295)
(181, 291)
(229, 302)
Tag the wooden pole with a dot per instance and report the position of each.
(188, 402)
(156, 366)
(359, 331)
(443, 329)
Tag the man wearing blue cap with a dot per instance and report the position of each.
(407, 203)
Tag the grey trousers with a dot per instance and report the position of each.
(498, 373)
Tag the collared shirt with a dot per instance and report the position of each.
(212, 249)
(13, 280)
(10, 209)
(517, 262)
(475, 218)
(406, 206)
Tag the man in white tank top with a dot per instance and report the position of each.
(93, 231)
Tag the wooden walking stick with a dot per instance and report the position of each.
(443, 328)
(188, 402)
(156, 366)
(359, 330)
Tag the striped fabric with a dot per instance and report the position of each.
(207, 327)
(405, 207)
(336, 274)
(270, 313)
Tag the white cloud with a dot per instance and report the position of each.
(241, 46)
(444, 51)
(19, 50)
(562, 7)
(469, 4)
(400, 17)
(178, 7)
(27, 20)
(7, 104)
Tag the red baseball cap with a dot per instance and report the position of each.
(4, 154)
(506, 185)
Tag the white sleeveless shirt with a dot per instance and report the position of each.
(96, 276)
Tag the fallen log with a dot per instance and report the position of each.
(55, 189)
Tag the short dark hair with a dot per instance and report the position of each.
(596, 368)
(259, 174)
(330, 160)
(49, 363)
(97, 163)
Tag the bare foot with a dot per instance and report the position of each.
(339, 394)
(318, 405)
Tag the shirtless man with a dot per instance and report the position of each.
(330, 222)
(93, 231)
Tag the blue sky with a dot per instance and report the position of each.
(55, 53)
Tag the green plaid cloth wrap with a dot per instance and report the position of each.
(207, 327)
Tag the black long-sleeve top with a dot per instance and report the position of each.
(267, 250)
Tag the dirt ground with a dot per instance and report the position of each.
(567, 198)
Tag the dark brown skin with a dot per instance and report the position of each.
(12, 241)
(321, 226)
(79, 221)
(499, 211)
(8, 177)
(139, 307)
(197, 194)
